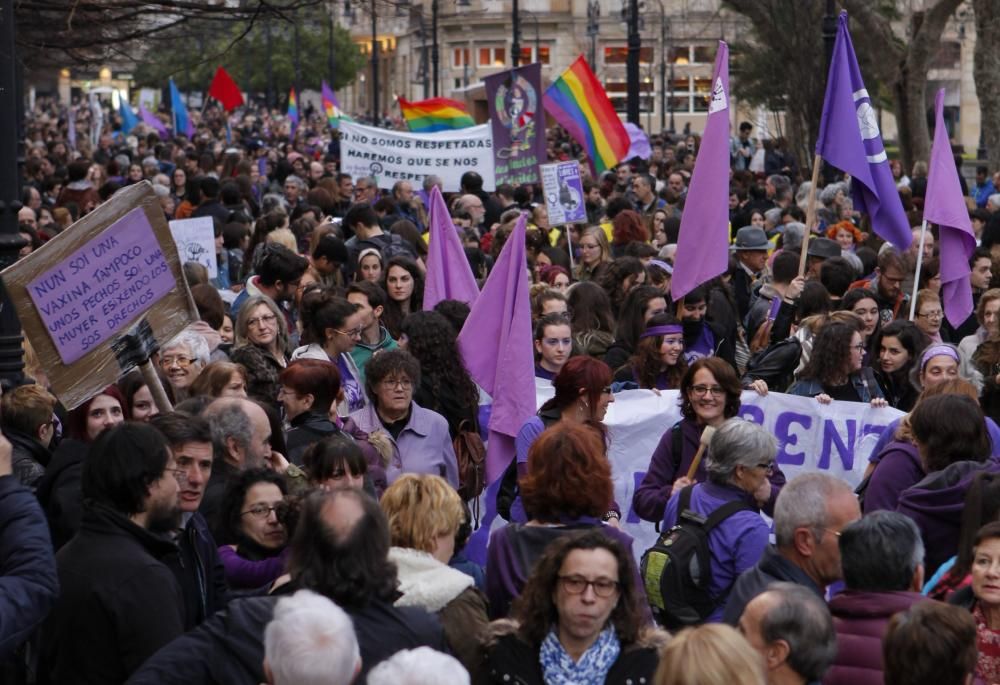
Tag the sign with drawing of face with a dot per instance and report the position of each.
(563, 189)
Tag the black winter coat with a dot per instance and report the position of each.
(307, 428)
(28, 582)
(228, 649)
(59, 490)
(119, 602)
(199, 572)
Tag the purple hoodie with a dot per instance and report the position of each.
(899, 467)
(936, 505)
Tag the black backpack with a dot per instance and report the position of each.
(775, 364)
(677, 570)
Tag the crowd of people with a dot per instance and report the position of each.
(301, 513)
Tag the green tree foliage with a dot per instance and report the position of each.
(197, 51)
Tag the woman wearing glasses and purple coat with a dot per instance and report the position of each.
(709, 394)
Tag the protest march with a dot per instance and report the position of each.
(519, 393)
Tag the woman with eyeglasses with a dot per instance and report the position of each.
(709, 395)
(181, 360)
(252, 511)
(929, 314)
(595, 254)
(836, 370)
(738, 463)
(331, 327)
(261, 347)
(579, 619)
(396, 433)
(583, 393)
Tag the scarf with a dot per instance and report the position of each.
(558, 667)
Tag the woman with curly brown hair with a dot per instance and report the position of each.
(445, 385)
(835, 370)
(579, 620)
(658, 362)
(567, 488)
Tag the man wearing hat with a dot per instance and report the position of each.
(820, 250)
(751, 248)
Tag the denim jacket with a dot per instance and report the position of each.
(863, 381)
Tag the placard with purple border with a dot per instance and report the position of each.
(563, 191)
(84, 288)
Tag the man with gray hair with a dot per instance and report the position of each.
(310, 641)
(792, 630)
(879, 585)
(779, 190)
(420, 666)
(809, 514)
(241, 439)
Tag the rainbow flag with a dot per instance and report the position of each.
(578, 102)
(332, 108)
(435, 114)
(293, 112)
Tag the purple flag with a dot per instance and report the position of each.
(496, 346)
(638, 142)
(945, 206)
(703, 242)
(849, 139)
(71, 128)
(449, 276)
(152, 120)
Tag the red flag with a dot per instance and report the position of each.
(225, 90)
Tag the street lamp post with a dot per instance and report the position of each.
(593, 17)
(435, 56)
(375, 109)
(515, 48)
(11, 242)
(632, 65)
(829, 30)
(663, 67)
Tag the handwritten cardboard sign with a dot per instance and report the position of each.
(81, 291)
(88, 296)
(195, 239)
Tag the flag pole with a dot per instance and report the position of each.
(810, 215)
(569, 246)
(920, 261)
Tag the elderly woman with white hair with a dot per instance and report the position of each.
(740, 458)
(181, 360)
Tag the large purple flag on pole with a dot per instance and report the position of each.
(944, 205)
(449, 276)
(496, 347)
(703, 243)
(849, 139)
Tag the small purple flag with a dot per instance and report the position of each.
(703, 242)
(849, 139)
(945, 206)
(71, 128)
(496, 346)
(638, 142)
(449, 276)
(152, 120)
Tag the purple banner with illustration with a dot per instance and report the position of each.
(563, 190)
(518, 122)
(102, 287)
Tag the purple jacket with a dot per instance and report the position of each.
(650, 498)
(736, 544)
(899, 467)
(244, 574)
(860, 619)
(423, 446)
(936, 504)
(514, 549)
(889, 434)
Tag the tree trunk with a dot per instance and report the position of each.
(986, 71)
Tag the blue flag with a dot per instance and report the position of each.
(850, 140)
(182, 123)
(129, 119)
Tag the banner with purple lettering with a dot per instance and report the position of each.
(518, 121)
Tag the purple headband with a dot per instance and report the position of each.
(669, 270)
(937, 351)
(661, 330)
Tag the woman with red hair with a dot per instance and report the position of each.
(567, 487)
(627, 227)
(583, 393)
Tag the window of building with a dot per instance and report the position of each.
(528, 55)
(618, 54)
(618, 94)
(703, 54)
(461, 57)
(492, 57)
